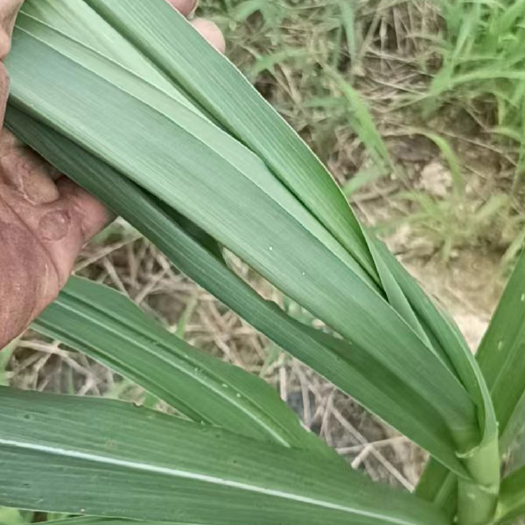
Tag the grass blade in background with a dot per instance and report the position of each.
(129, 462)
(5, 356)
(348, 15)
(362, 178)
(361, 120)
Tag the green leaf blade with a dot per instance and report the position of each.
(145, 465)
(107, 326)
(501, 352)
(512, 501)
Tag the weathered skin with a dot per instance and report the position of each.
(45, 218)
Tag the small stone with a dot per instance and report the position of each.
(436, 179)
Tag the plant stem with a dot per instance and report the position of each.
(477, 500)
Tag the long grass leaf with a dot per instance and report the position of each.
(129, 462)
(238, 107)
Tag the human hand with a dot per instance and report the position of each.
(45, 218)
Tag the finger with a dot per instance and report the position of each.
(185, 7)
(61, 227)
(211, 33)
(25, 172)
(8, 11)
(89, 213)
(4, 89)
(29, 275)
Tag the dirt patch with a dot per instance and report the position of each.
(468, 287)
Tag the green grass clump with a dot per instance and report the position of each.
(304, 58)
(482, 48)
